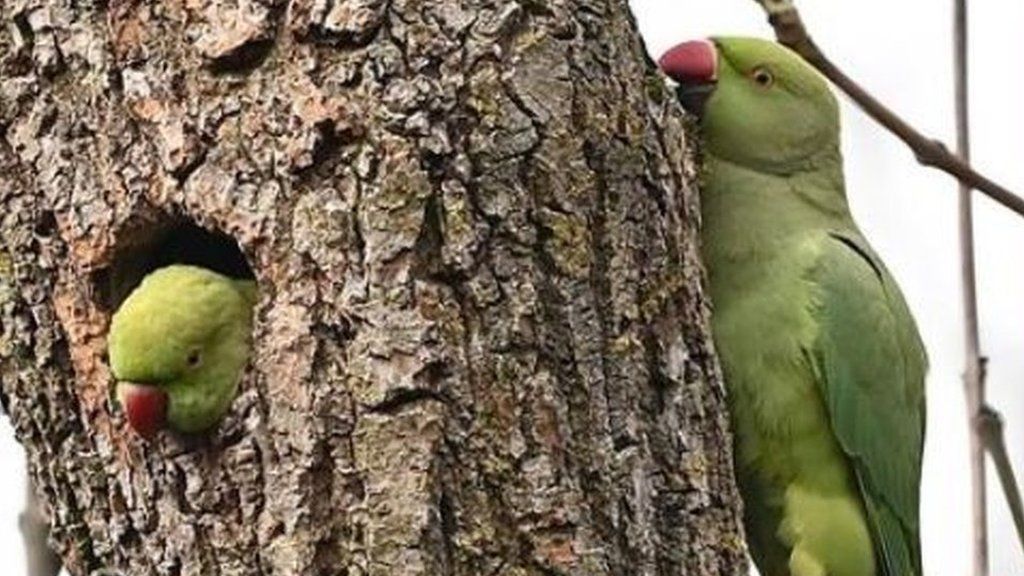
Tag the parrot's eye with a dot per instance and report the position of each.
(763, 77)
(193, 359)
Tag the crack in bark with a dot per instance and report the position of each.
(404, 398)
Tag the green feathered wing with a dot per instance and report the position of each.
(871, 366)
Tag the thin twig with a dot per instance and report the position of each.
(974, 374)
(790, 30)
(991, 425)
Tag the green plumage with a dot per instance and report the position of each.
(186, 331)
(822, 359)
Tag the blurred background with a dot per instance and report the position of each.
(902, 51)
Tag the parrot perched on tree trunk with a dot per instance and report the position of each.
(177, 346)
(821, 357)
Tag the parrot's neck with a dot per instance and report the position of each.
(751, 216)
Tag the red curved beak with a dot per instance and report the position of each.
(694, 66)
(693, 62)
(145, 406)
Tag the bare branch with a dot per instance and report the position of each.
(790, 31)
(974, 373)
(990, 424)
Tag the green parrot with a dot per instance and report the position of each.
(822, 360)
(177, 347)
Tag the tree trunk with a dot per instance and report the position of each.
(481, 345)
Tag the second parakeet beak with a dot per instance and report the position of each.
(145, 406)
(694, 67)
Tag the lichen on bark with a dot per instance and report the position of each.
(481, 345)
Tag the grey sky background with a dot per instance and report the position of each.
(901, 51)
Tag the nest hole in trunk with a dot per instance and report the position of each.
(174, 242)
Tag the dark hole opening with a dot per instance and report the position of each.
(46, 225)
(179, 242)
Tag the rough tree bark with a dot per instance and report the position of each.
(481, 345)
